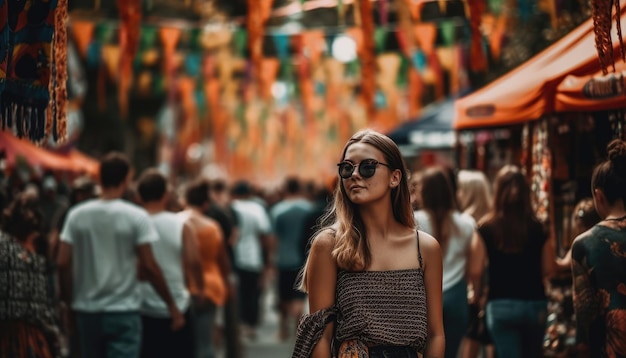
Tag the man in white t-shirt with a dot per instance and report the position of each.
(177, 254)
(103, 242)
(253, 253)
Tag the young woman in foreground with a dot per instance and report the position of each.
(374, 281)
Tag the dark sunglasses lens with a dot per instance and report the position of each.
(367, 170)
(346, 170)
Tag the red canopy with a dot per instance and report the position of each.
(532, 89)
(74, 161)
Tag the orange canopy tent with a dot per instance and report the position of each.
(73, 161)
(551, 81)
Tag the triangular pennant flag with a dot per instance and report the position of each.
(380, 35)
(281, 43)
(240, 41)
(111, 58)
(105, 33)
(148, 37)
(82, 32)
(448, 31)
(426, 34)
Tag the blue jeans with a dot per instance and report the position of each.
(517, 327)
(203, 323)
(455, 317)
(109, 334)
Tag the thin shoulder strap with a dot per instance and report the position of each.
(419, 252)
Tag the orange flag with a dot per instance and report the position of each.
(82, 32)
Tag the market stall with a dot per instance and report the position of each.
(562, 106)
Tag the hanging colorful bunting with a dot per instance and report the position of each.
(367, 56)
(28, 69)
(169, 38)
(129, 31)
(478, 60)
(258, 13)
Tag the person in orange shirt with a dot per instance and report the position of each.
(215, 266)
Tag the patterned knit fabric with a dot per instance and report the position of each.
(382, 308)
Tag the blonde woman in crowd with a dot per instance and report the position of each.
(374, 281)
(474, 197)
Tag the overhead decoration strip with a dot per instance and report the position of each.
(478, 60)
(367, 55)
(130, 16)
(27, 67)
(258, 13)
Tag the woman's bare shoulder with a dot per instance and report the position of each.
(323, 241)
(428, 243)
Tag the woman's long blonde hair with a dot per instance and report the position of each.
(351, 251)
(474, 193)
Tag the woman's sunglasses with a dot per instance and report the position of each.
(367, 168)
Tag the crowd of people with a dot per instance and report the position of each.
(128, 265)
(439, 262)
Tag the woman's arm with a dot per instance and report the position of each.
(549, 265)
(433, 273)
(476, 265)
(321, 277)
(586, 304)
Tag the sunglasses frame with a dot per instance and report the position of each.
(367, 162)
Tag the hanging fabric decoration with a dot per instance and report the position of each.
(435, 65)
(267, 76)
(416, 89)
(478, 60)
(129, 30)
(56, 113)
(541, 173)
(383, 11)
(601, 12)
(404, 33)
(28, 41)
(258, 13)
(82, 33)
(367, 55)
(169, 38)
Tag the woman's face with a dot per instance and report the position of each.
(361, 190)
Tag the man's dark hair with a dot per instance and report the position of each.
(151, 185)
(241, 188)
(197, 192)
(114, 168)
(292, 185)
